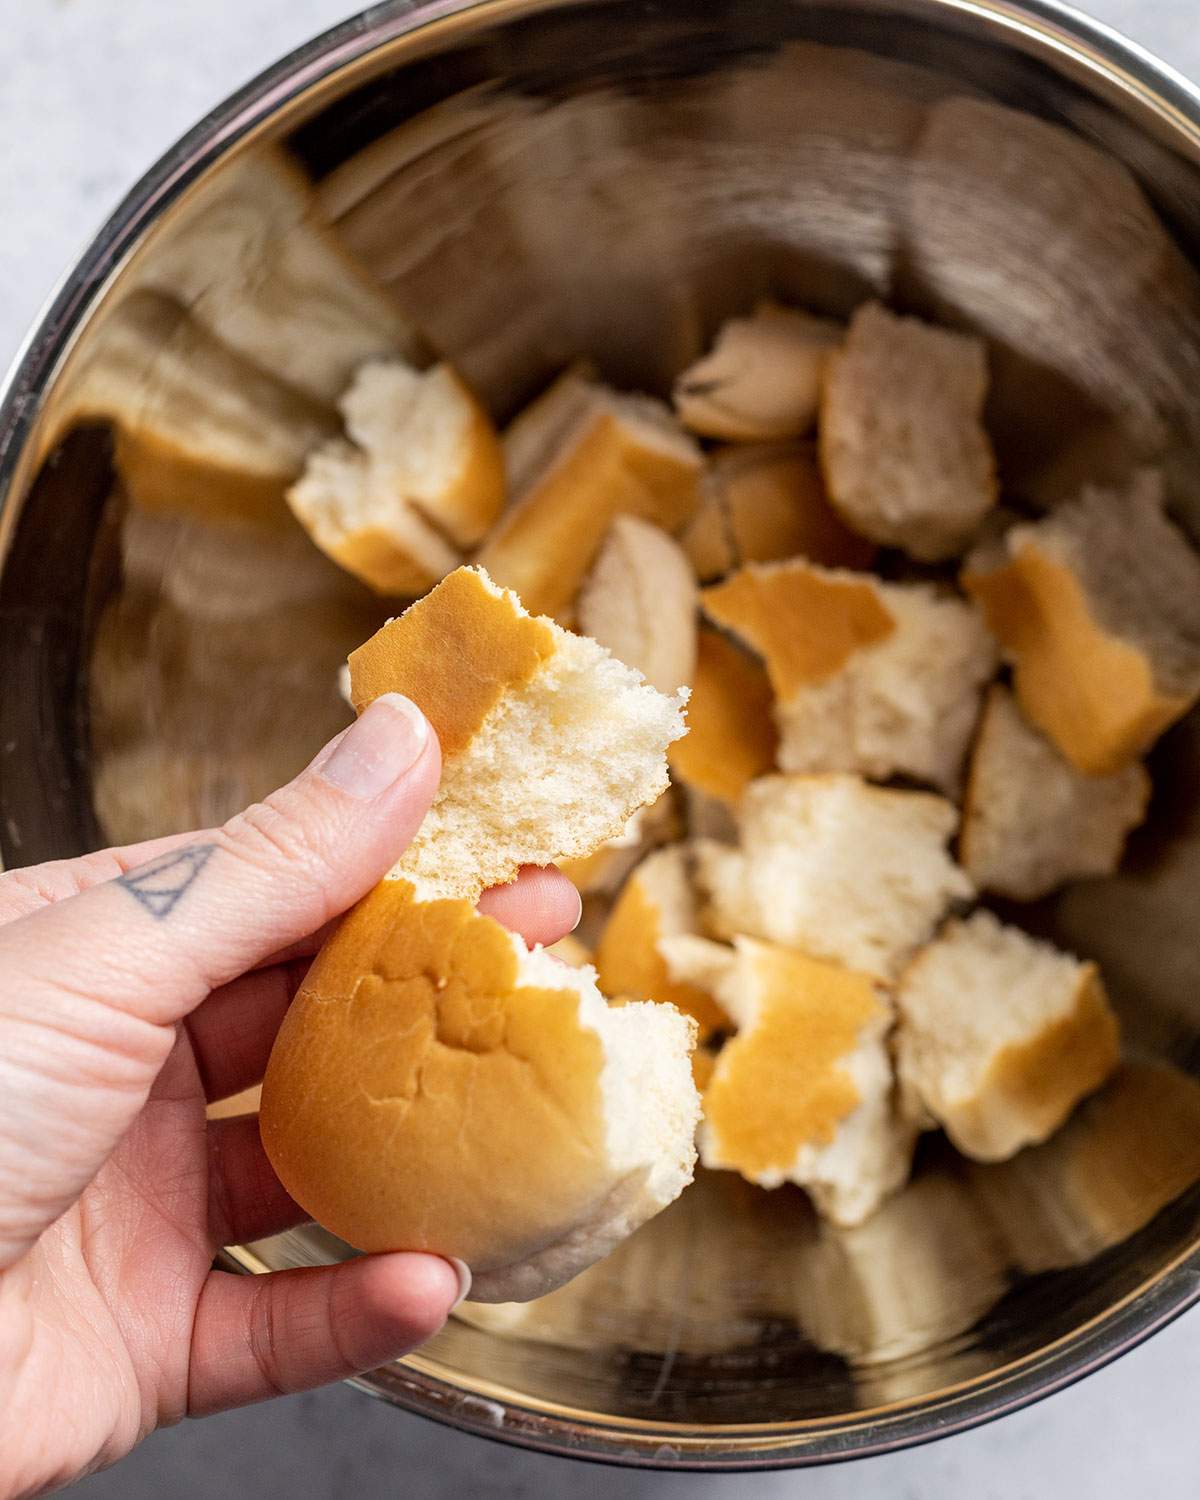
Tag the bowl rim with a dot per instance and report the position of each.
(1046, 27)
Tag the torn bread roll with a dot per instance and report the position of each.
(419, 476)
(803, 1093)
(580, 456)
(906, 459)
(436, 1086)
(640, 602)
(772, 499)
(879, 678)
(762, 378)
(731, 737)
(655, 904)
(1031, 821)
(1000, 1036)
(1098, 609)
(549, 745)
(837, 868)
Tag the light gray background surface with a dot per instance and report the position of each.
(91, 91)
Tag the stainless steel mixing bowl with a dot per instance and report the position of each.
(531, 180)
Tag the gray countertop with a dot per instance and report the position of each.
(92, 92)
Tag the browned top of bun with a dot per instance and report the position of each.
(420, 1097)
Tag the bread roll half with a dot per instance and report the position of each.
(437, 1086)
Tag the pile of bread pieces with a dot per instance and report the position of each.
(901, 699)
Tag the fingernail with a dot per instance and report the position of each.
(578, 910)
(383, 744)
(463, 1272)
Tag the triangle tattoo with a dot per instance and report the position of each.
(161, 884)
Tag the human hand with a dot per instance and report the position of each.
(135, 985)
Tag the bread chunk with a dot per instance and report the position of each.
(1000, 1036)
(1031, 821)
(803, 1093)
(906, 459)
(879, 678)
(837, 868)
(1098, 609)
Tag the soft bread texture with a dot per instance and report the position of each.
(603, 871)
(436, 1086)
(906, 459)
(1098, 608)
(731, 738)
(762, 378)
(1000, 1036)
(581, 456)
(1031, 821)
(772, 499)
(803, 1092)
(880, 678)
(421, 476)
(200, 431)
(549, 745)
(839, 869)
(640, 602)
(656, 903)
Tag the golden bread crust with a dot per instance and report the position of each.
(374, 556)
(777, 508)
(468, 509)
(1041, 1081)
(419, 1097)
(455, 653)
(731, 736)
(1091, 693)
(628, 961)
(805, 625)
(546, 541)
(778, 1085)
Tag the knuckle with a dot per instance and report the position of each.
(265, 1334)
(338, 1325)
(274, 841)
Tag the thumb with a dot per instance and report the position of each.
(91, 988)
